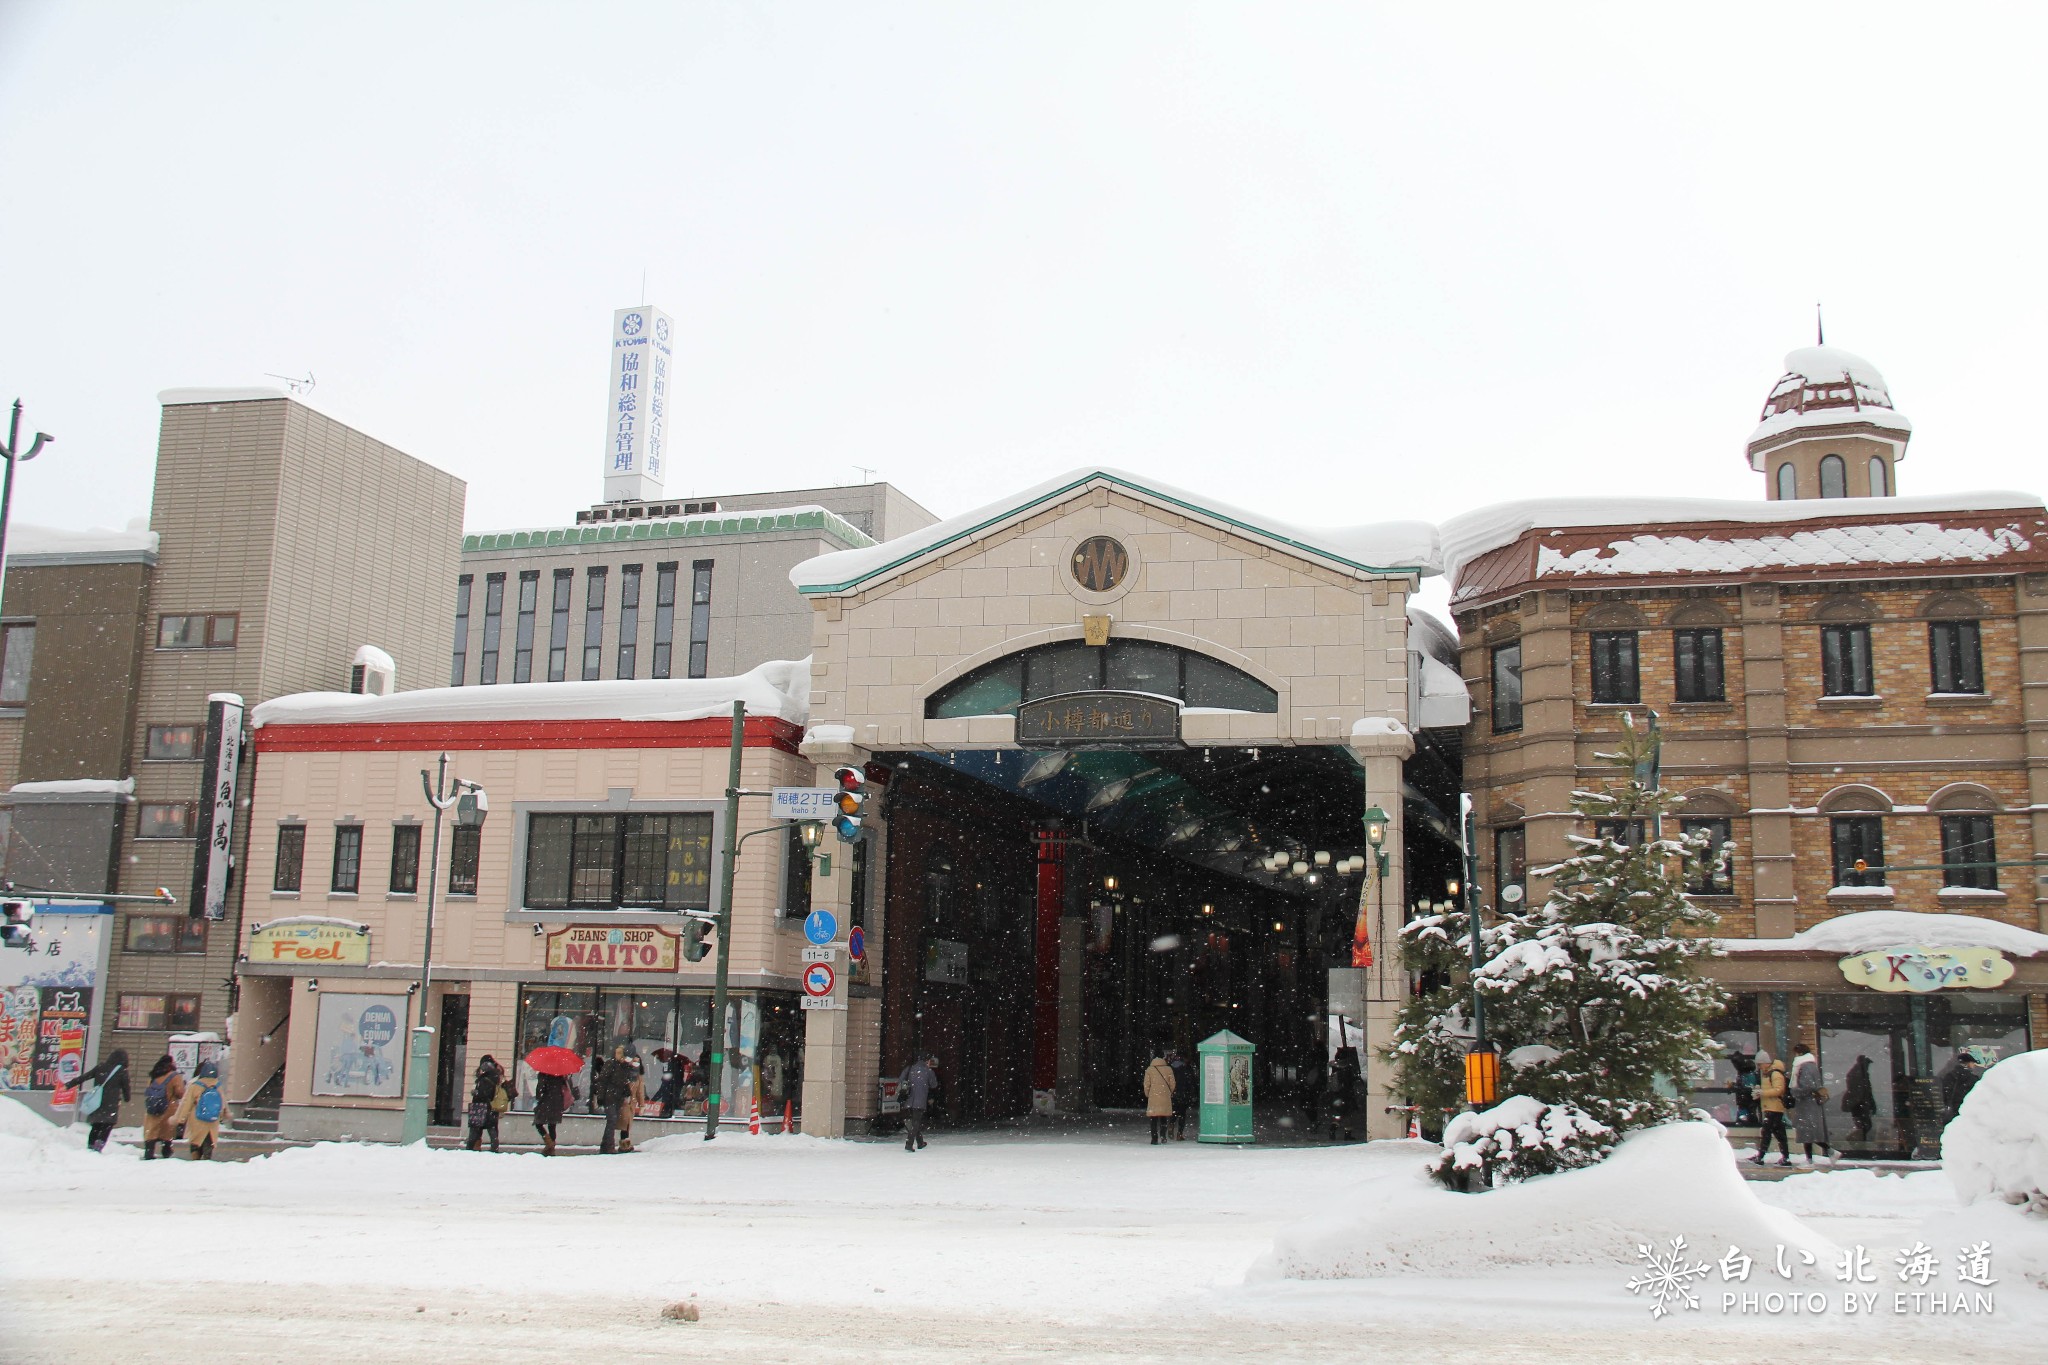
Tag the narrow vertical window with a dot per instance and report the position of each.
(593, 624)
(629, 620)
(17, 656)
(558, 624)
(465, 854)
(700, 618)
(664, 618)
(1616, 679)
(1880, 481)
(1788, 482)
(494, 620)
(1969, 855)
(1858, 838)
(405, 859)
(291, 858)
(348, 859)
(1958, 656)
(1510, 859)
(1714, 875)
(1845, 661)
(522, 641)
(456, 670)
(1834, 477)
(1507, 688)
(1696, 665)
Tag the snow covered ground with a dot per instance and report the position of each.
(980, 1248)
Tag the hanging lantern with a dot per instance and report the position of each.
(1482, 1076)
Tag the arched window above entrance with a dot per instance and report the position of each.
(1190, 678)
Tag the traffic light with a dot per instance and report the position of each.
(852, 800)
(17, 922)
(696, 939)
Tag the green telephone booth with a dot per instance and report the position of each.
(1225, 1077)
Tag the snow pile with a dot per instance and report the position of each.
(1869, 931)
(1517, 1139)
(77, 786)
(1678, 1180)
(29, 1139)
(1917, 542)
(780, 688)
(24, 541)
(1410, 545)
(1997, 1144)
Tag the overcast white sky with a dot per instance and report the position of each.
(1340, 263)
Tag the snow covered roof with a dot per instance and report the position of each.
(28, 546)
(761, 521)
(1378, 547)
(1429, 633)
(370, 656)
(171, 398)
(1869, 931)
(780, 688)
(1705, 536)
(1826, 387)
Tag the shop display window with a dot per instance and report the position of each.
(1726, 1087)
(1873, 1047)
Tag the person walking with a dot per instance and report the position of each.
(1859, 1101)
(159, 1102)
(201, 1111)
(1183, 1093)
(1159, 1095)
(1809, 1102)
(609, 1090)
(915, 1087)
(483, 1103)
(636, 1095)
(1343, 1094)
(101, 1093)
(1771, 1103)
(550, 1102)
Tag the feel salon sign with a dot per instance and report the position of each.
(1928, 969)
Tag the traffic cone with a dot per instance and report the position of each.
(754, 1108)
(1414, 1124)
(788, 1113)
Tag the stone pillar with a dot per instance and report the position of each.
(1380, 753)
(826, 1032)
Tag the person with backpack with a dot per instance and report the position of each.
(159, 1102)
(484, 1103)
(202, 1110)
(101, 1092)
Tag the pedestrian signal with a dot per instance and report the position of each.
(851, 800)
(696, 939)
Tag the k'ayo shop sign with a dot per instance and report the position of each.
(1920, 970)
(613, 948)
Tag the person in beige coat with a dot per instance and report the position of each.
(1159, 1095)
(161, 1128)
(201, 1111)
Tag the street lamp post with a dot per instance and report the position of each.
(470, 805)
(14, 454)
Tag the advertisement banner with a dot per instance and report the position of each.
(50, 1005)
(217, 806)
(359, 1046)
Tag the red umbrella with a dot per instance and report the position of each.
(555, 1061)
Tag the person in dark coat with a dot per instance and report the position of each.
(1809, 1102)
(483, 1103)
(669, 1090)
(609, 1091)
(1343, 1091)
(1743, 1089)
(1958, 1078)
(916, 1086)
(111, 1076)
(550, 1102)
(1859, 1102)
(1183, 1093)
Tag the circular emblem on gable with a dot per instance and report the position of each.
(1100, 563)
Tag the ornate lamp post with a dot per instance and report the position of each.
(471, 805)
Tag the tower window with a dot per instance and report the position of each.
(494, 620)
(522, 640)
(1507, 688)
(462, 591)
(558, 625)
(1834, 477)
(1880, 482)
(1788, 482)
(593, 623)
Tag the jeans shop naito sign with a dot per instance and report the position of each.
(613, 948)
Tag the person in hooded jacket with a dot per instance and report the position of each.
(1771, 1101)
(1158, 1096)
(483, 1097)
(200, 1133)
(550, 1102)
(111, 1076)
(1183, 1093)
(160, 1126)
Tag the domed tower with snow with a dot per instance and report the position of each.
(1829, 430)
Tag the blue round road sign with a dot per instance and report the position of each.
(821, 926)
(856, 943)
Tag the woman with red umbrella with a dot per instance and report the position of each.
(551, 1093)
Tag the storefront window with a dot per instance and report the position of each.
(605, 862)
(1870, 1044)
(1726, 1086)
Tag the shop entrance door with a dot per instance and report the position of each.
(449, 1093)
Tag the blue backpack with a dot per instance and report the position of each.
(208, 1106)
(156, 1099)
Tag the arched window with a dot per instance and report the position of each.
(1834, 477)
(1880, 486)
(1788, 482)
(1123, 665)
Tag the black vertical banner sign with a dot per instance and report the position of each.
(217, 806)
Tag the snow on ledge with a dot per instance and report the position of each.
(1916, 542)
(77, 786)
(24, 540)
(1869, 931)
(172, 398)
(780, 688)
(254, 925)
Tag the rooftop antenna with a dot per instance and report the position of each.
(295, 385)
(1820, 335)
(866, 473)
(643, 284)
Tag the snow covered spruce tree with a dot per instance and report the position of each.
(1595, 995)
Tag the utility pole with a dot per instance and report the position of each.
(14, 455)
(716, 1044)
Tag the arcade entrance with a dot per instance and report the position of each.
(1052, 914)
